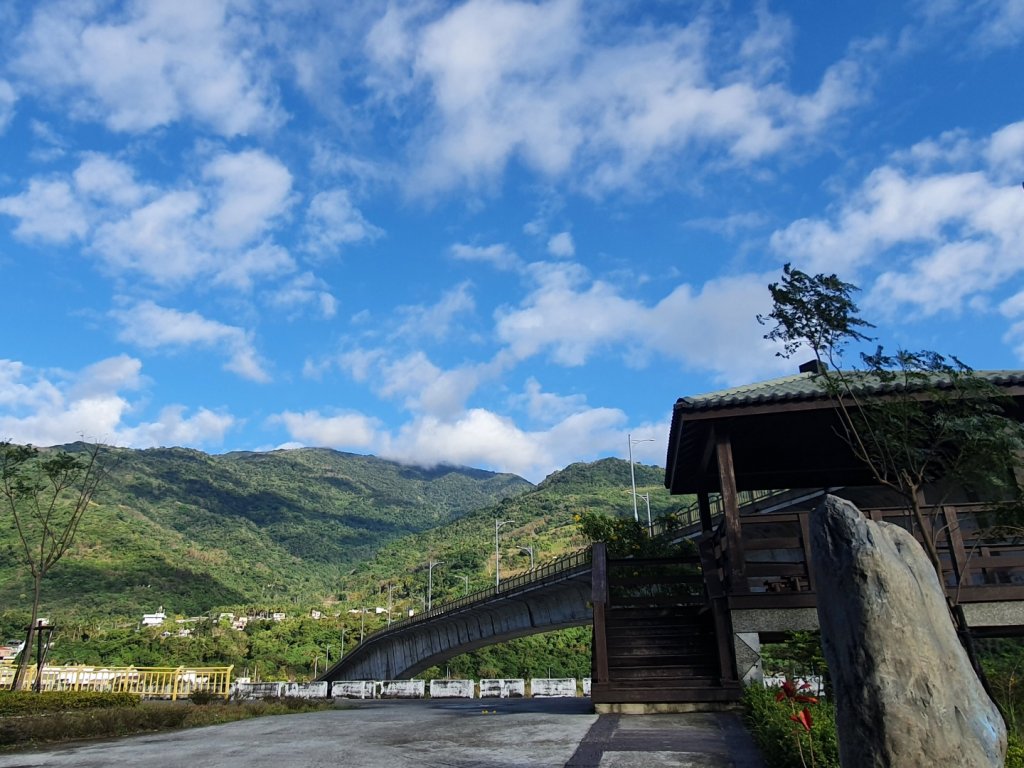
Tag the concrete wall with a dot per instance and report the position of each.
(247, 691)
(353, 689)
(401, 689)
(502, 688)
(452, 689)
(553, 686)
(307, 690)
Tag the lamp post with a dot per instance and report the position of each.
(497, 554)
(342, 644)
(632, 474)
(465, 579)
(647, 498)
(390, 588)
(362, 624)
(430, 578)
(529, 551)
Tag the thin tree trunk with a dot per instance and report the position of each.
(19, 676)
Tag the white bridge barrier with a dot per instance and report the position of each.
(307, 690)
(451, 689)
(553, 686)
(353, 689)
(502, 688)
(246, 691)
(402, 689)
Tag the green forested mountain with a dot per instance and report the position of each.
(195, 532)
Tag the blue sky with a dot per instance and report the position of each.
(493, 233)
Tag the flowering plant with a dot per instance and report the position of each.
(792, 696)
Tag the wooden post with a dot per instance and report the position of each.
(957, 554)
(805, 540)
(599, 597)
(731, 509)
(704, 506)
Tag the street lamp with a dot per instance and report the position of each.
(342, 643)
(465, 579)
(430, 578)
(632, 475)
(650, 525)
(390, 588)
(529, 551)
(497, 554)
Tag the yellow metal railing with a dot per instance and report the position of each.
(148, 682)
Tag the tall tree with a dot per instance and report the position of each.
(913, 418)
(46, 493)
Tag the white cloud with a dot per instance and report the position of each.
(159, 62)
(250, 190)
(436, 321)
(562, 246)
(499, 255)
(304, 290)
(47, 211)
(342, 430)
(939, 238)
(157, 240)
(479, 437)
(547, 407)
(216, 231)
(55, 407)
(333, 221)
(572, 318)
(151, 326)
(513, 80)
(106, 180)
(8, 98)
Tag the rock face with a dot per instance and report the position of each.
(905, 692)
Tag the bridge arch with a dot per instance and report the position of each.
(552, 597)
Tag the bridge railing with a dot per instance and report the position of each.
(775, 561)
(689, 516)
(148, 682)
(535, 576)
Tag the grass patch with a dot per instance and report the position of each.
(108, 722)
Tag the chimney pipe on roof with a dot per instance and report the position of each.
(813, 366)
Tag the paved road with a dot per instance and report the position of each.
(521, 733)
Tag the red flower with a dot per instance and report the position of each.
(803, 718)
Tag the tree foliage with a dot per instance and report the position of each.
(46, 494)
(915, 419)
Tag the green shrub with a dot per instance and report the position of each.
(150, 716)
(202, 698)
(29, 703)
(781, 739)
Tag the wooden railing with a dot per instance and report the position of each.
(775, 560)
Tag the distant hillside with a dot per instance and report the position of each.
(192, 531)
(542, 518)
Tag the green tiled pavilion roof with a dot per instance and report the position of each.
(804, 387)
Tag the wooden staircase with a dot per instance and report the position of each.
(659, 642)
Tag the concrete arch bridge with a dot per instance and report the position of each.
(550, 597)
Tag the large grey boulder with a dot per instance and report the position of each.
(905, 692)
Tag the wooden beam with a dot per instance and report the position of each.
(731, 508)
(599, 597)
(704, 505)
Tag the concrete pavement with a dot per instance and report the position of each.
(517, 733)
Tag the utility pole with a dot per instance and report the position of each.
(529, 551)
(497, 553)
(431, 564)
(632, 474)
